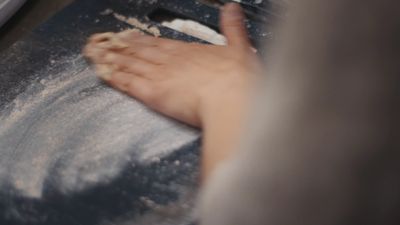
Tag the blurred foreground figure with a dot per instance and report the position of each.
(323, 146)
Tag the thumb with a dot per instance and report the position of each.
(233, 27)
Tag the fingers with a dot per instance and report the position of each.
(132, 65)
(120, 80)
(151, 54)
(128, 61)
(130, 43)
(142, 89)
(136, 86)
(104, 71)
(233, 26)
(92, 52)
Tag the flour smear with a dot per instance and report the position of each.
(76, 131)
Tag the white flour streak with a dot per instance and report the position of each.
(77, 132)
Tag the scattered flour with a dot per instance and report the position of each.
(136, 23)
(197, 30)
(188, 27)
(106, 12)
(67, 127)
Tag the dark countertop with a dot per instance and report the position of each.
(32, 14)
(72, 150)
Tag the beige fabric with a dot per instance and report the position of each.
(323, 143)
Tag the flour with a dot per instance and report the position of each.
(136, 23)
(188, 27)
(197, 30)
(75, 130)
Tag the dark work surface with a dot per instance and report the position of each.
(32, 14)
(65, 157)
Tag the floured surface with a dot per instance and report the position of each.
(135, 22)
(79, 133)
(73, 151)
(197, 30)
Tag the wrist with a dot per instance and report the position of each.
(222, 121)
(228, 107)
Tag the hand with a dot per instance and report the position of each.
(187, 81)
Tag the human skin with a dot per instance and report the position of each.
(205, 86)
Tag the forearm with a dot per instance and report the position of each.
(222, 127)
